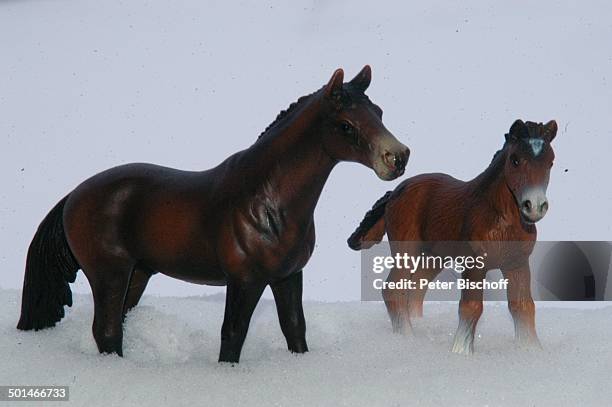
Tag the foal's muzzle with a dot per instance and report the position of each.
(533, 204)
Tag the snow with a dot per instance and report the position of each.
(171, 345)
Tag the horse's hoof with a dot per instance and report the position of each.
(402, 327)
(112, 352)
(298, 347)
(463, 347)
(403, 331)
(111, 346)
(229, 357)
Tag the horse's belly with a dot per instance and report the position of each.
(199, 275)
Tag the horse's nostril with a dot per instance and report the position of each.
(527, 205)
(544, 207)
(389, 159)
(398, 161)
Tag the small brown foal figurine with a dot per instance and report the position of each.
(502, 204)
(247, 223)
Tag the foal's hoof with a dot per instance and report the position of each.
(402, 328)
(463, 346)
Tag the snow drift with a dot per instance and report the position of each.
(171, 347)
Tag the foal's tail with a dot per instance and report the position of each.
(372, 227)
(50, 266)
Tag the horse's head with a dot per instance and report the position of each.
(528, 160)
(354, 130)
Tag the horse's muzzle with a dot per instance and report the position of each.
(396, 161)
(533, 205)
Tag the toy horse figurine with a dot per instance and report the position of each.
(502, 204)
(246, 223)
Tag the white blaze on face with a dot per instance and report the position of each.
(537, 145)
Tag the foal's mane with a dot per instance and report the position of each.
(497, 153)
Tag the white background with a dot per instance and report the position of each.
(88, 85)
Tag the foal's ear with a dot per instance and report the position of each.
(335, 83)
(550, 131)
(362, 80)
(517, 130)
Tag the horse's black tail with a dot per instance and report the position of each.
(50, 266)
(372, 227)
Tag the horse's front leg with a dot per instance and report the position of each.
(288, 298)
(240, 302)
(521, 305)
(470, 310)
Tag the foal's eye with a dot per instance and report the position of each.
(515, 161)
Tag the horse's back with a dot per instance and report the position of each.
(426, 207)
(110, 215)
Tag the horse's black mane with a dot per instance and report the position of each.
(498, 152)
(344, 98)
(285, 113)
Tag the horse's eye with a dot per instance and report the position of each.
(350, 132)
(347, 128)
(515, 161)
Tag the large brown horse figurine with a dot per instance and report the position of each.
(246, 223)
(502, 204)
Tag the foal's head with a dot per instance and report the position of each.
(354, 130)
(528, 160)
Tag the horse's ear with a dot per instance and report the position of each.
(517, 130)
(335, 83)
(550, 130)
(362, 80)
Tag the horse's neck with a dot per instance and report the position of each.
(295, 166)
(490, 186)
(298, 181)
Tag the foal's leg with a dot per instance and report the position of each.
(521, 305)
(109, 286)
(288, 297)
(138, 282)
(470, 310)
(240, 302)
(396, 302)
(417, 295)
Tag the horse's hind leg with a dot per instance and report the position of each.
(109, 286)
(138, 282)
(288, 298)
(396, 301)
(416, 297)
